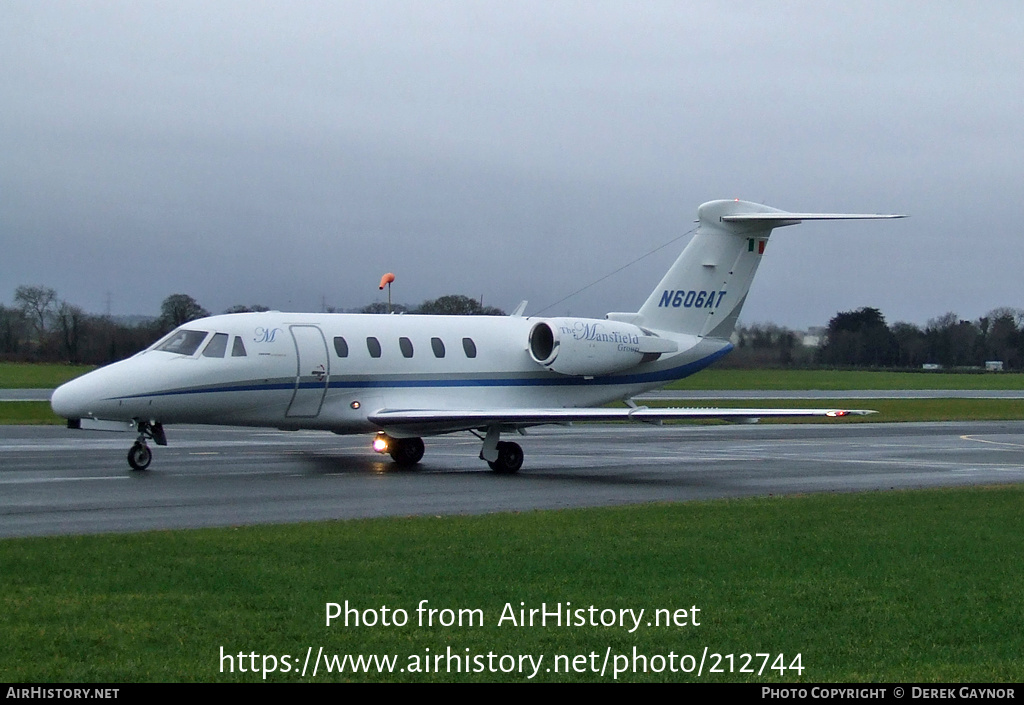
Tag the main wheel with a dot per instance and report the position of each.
(510, 458)
(140, 456)
(406, 452)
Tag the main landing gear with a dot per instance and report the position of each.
(406, 452)
(503, 457)
(140, 456)
(510, 458)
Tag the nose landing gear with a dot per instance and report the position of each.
(140, 456)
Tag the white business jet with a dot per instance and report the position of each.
(403, 377)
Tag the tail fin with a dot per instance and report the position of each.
(704, 290)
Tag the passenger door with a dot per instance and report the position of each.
(313, 371)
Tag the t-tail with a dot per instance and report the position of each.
(704, 290)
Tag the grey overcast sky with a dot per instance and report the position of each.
(290, 153)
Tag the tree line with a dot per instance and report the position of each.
(40, 327)
(862, 338)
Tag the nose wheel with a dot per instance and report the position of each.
(140, 456)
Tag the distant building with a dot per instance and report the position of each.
(994, 365)
(931, 366)
(814, 336)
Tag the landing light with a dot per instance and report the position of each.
(380, 444)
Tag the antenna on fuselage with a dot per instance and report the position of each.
(387, 279)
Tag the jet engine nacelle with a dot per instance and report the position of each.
(589, 347)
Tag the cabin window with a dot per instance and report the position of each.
(184, 342)
(469, 346)
(340, 346)
(373, 345)
(406, 345)
(217, 346)
(238, 348)
(438, 347)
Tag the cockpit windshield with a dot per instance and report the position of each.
(183, 342)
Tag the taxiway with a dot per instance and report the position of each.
(57, 481)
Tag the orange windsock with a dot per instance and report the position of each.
(386, 279)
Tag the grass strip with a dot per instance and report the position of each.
(28, 412)
(21, 375)
(920, 586)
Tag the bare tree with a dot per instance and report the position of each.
(12, 330)
(70, 324)
(37, 304)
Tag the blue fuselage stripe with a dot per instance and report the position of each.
(666, 375)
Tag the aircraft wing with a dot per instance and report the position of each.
(434, 421)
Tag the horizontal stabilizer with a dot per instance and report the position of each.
(780, 219)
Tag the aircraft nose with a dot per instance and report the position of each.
(98, 394)
(81, 397)
(66, 401)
